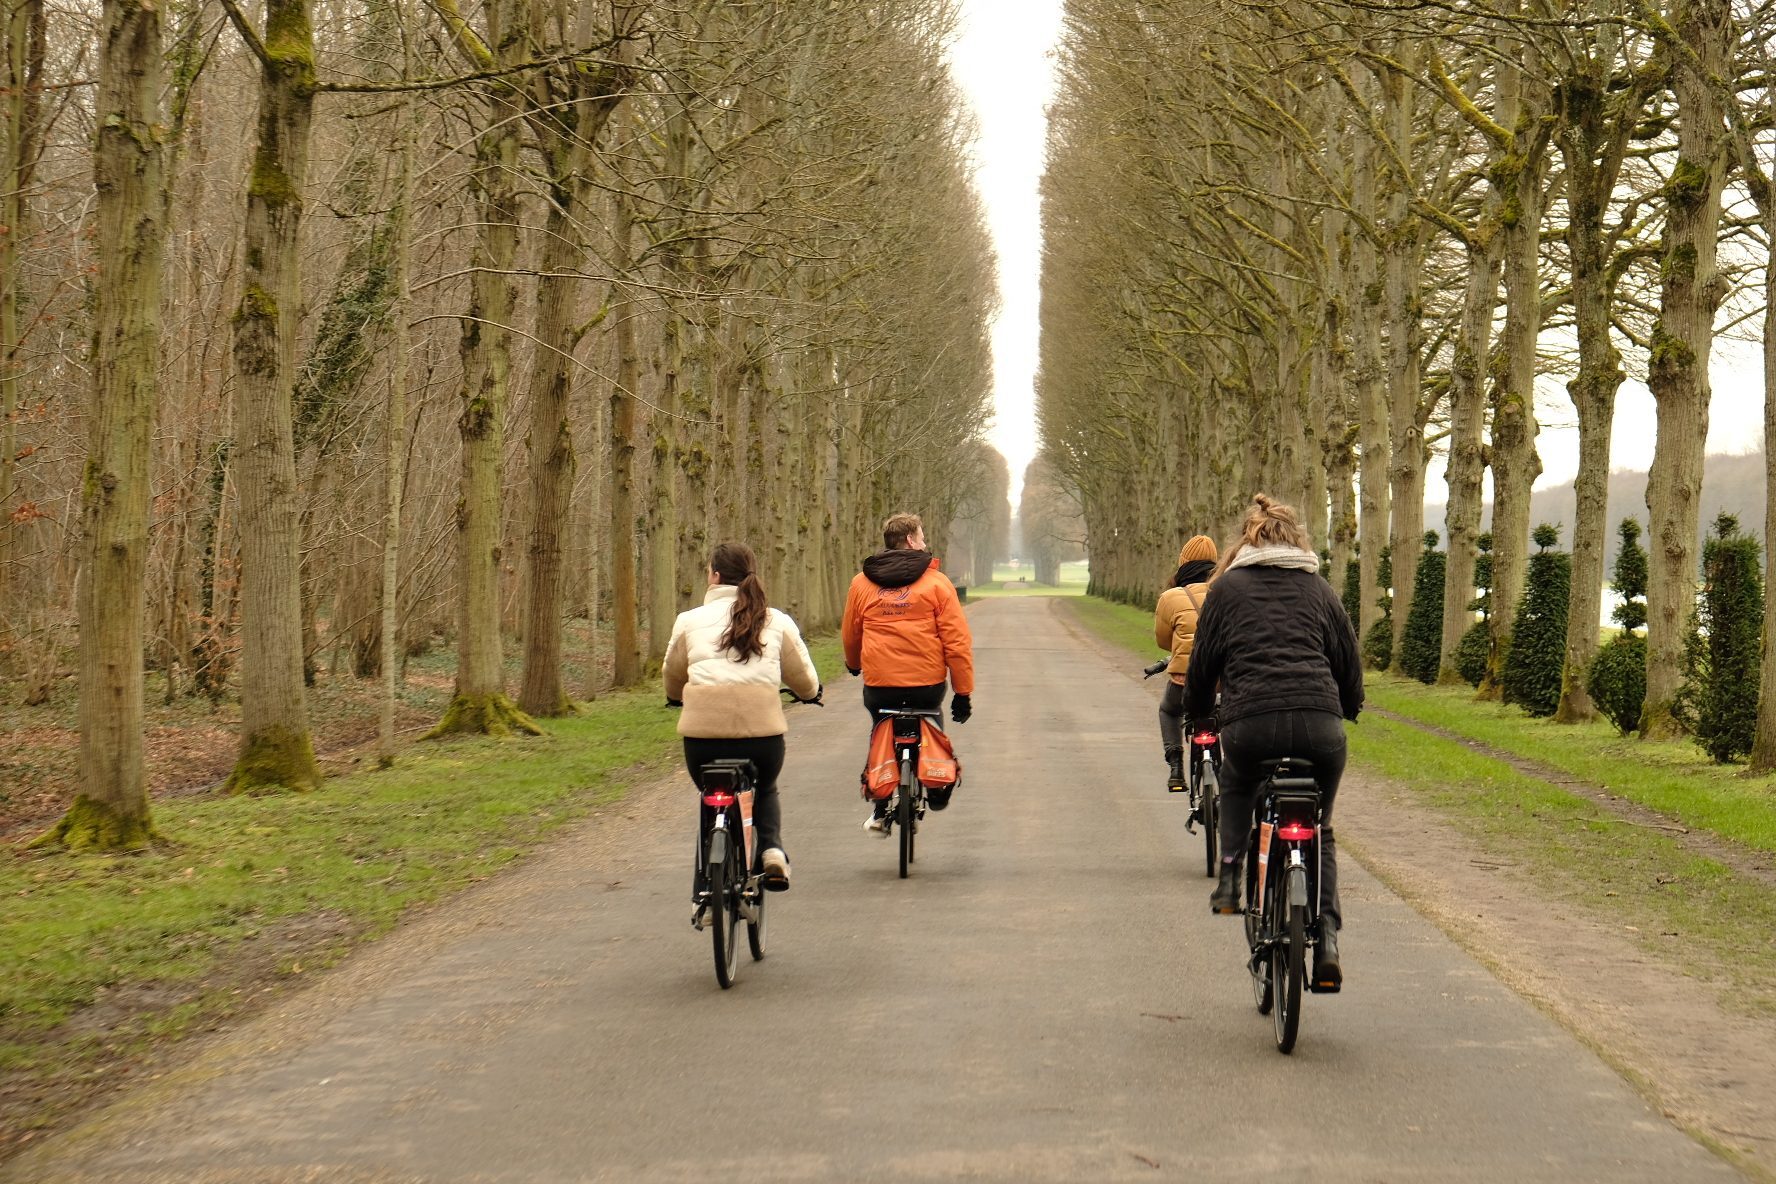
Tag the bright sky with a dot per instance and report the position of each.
(1003, 60)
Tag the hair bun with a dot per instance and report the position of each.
(1262, 501)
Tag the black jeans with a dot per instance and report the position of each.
(766, 755)
(1317, 736)
(879, 699)
(1171, 716)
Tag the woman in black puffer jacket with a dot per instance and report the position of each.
(1275, 638)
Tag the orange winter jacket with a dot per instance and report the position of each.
(904, 626)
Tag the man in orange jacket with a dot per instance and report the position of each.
(904, 630)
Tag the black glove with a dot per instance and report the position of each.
(819, 693)
(961, 707)
(671, 702)
(853, 671)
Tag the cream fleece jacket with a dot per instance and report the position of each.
(727, 699)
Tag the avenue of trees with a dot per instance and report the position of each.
(1298, 246)
(334, 329)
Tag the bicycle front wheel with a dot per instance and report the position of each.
(725, 885)
(1289, 957)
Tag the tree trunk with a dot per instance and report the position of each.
(1515, 464)
(1466, 469)
(550, 446)
(1763, 748)
(395, 443)
(110, 810)
(276, 748)
(626, 670)
(1371, 406)
(25, 47)
(1690, 291)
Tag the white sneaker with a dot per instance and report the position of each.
(877, 824)
(776, 869)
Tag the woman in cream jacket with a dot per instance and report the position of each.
(725, 662)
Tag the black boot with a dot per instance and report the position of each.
(1328, 976)
(1226, 897)
(1175, 765)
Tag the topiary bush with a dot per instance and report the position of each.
(1531, 677)
(1473, 651)
(1719, 697)
(1617, 678)
(1353, 591)
(1378, 646)
(1421, 645)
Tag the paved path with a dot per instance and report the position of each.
(1047, 998)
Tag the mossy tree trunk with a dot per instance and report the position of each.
(1466, 468)
(1519, 174)
(110, 810)
(625, 606)
(276, 748)
(1365, 301)
(480, 703)
(25, 38)
(1690, 291)
(1596, 121)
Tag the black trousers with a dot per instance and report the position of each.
(1171, 716)
(879, 699)
(1317, 736)
(766, 755)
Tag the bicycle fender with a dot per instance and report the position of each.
(1298, 886)
(718, 848)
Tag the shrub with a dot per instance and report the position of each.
(1720, 692)
(1532, 666)
(1471, 654)
(1378, 647)
(1617, 680)
(1421, 646)
(1353, 591)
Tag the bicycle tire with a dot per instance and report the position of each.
(1289, 956)
(755, 930)
(1211, 819)
(725, 908)
(903, 821)
(1263, 988)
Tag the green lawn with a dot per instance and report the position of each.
(104, 957)
(1020, 580)
(1672, 777)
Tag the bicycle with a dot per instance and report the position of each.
(1203, 783)
(1282, 911)
(906, 804)
(729, 885)
(725, 844)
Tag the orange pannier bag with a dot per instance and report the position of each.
(938, 765)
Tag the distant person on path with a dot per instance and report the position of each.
(904, 630)
(724, 663)
(1275, 637)
(1174, 629)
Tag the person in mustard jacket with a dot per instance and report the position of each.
(904, 630)
(1174, 629)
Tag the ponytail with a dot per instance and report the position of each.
(736, 565)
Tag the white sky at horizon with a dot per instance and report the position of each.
(1003, 59)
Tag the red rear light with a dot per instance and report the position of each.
(1295, 832)
(718, 797)
(1204, 738)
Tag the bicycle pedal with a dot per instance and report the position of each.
(1325, 988)
(1175, 786)
(774, 883)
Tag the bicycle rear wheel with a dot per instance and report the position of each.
(1289, 956)
(724, 889)
(755, 930)
(1210, 809)
(903, 821)
(1263, 988)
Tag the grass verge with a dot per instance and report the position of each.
(1674, 778)
(1688, 909)
(106, 959)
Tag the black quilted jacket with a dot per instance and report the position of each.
(1275, 639)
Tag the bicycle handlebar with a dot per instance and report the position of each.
(1150, 671)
